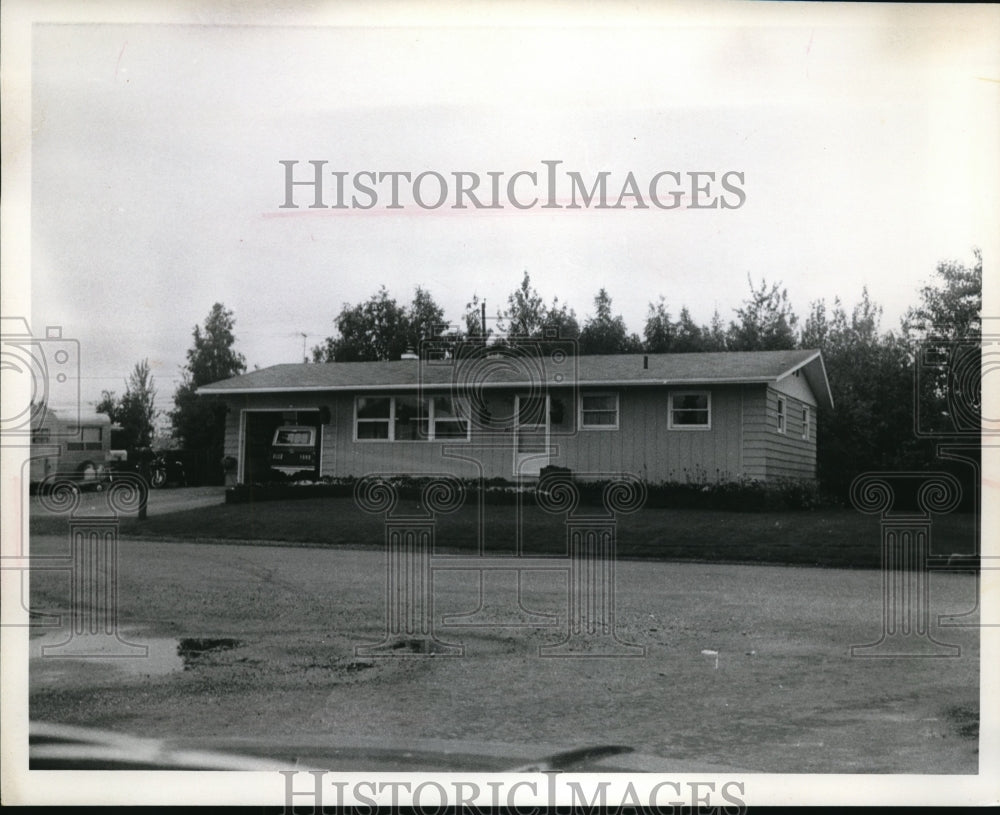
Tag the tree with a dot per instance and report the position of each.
(688, 335)
(136, 411)
(212, 358)
(766, 321)
(714, 336)
(952, 309)
(604, 333)
(871, 424)
(946, 330)
(525, 313)
(526, 319)
(200, 421)
(376, 329)
(561, 320)
(424, 319)
(473, 319)
(658, 333)
(816, 329)
(380, 329)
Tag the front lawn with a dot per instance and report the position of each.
(835, 537)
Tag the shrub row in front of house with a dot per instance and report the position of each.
(744, 495)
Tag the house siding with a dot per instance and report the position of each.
(788, 454)
(795, 385)
(755, 431)
(644, 445)
(741, 442)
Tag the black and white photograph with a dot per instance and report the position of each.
(500, 405)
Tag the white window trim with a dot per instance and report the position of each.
(670, 410)
(618, 416)
(782, 415)
(432, 422)
(391, 420)
(391, 438)
(806, 422)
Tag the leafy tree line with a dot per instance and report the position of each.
(896, 394)
(381, 328)
(872, 371)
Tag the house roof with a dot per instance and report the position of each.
(504, 368)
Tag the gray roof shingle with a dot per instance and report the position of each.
(510, 369)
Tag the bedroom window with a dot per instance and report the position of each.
(599, 411)
(690, 410)
(781, 415)
(373, 418)
(447, 419)
(408, 418)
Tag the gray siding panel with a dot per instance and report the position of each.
(755, 432)
(742, 441)
(645, 446)
(788, 454)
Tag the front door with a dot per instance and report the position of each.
(531, 434)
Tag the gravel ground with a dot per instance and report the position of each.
(784, 695)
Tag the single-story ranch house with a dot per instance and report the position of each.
(506, 413)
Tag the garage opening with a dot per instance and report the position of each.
(281, 446)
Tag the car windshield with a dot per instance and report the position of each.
(294, 436)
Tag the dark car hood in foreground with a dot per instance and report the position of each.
(65, 747)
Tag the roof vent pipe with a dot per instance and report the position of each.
(645, 362)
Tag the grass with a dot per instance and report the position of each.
(834, 537)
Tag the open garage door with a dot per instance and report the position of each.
(280, 444)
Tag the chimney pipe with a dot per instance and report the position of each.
(645, 362)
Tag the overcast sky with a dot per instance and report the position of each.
(867, 139)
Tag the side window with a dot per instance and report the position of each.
(599, 411)
(409, 418)
(805, 422)
(781, 415)
(450, 420)
(690, 410)
(372, 416)
(90, 439)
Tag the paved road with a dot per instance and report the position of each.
(745, 666)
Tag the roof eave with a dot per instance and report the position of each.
(596, 383)
(815, 371)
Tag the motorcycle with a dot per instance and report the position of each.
(164, 470)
